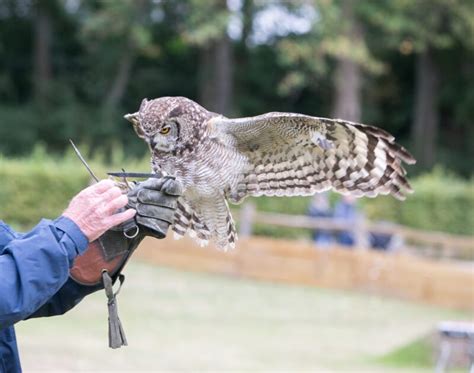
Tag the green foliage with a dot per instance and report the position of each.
(105, 56)
(310, 56)
(16, 139)
(441, 202)
(117, 21)
(436, 23)
(41, 186)
(207, 21)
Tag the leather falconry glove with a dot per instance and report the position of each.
(155, 201)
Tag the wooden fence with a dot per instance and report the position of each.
(426, 243)
(397, 274)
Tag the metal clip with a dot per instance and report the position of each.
(135, 234)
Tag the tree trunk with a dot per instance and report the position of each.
(42, 70)
(216, 81)
(223, 77)
(121, 79)
(348, 82)
(206, 86)
(129, 53)
(248, 10)
(426, 116)
(241, 50)
(347, 102)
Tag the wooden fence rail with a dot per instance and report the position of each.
(445, 245)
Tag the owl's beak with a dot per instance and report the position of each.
(132, 118)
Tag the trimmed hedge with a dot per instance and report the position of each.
(441, 202)
(41, 186)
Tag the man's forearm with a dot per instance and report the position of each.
(34, 267)
(70, 294)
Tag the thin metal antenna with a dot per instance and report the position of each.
(139, 175)
(126, 181)
(81, 158)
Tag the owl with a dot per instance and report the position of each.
(221, 160)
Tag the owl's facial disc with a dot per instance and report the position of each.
(166, 137)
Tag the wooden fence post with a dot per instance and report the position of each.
(247, 214)
(361, 234)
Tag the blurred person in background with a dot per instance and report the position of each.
(385, 241)
(35, 266)
(346, 210)
(320, 208)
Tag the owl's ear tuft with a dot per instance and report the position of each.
(133, 118)
(143, 104)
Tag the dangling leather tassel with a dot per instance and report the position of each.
(117, 337)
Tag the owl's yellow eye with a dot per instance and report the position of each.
(165, 130)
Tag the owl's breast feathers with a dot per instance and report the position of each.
(207, 164)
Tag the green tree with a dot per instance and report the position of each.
(428, 29)
(206, 27)
(114, 33)
(336, 46)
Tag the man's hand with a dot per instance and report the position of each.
(155, 201)
(94, 209)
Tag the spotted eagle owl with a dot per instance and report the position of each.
(275, 154)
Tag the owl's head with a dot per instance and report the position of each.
(168, 124)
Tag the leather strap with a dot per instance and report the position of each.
(110, 252)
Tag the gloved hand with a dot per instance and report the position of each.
(155, 201)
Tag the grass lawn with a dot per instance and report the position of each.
(181, 321)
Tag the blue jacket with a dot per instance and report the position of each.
(34, 278)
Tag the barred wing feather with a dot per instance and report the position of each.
(291, 154)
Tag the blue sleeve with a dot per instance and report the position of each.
(66, 298)
(35, 266)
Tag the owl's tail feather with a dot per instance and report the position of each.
(217, 216)
(186, 220)
(212, 220)
(231, 231)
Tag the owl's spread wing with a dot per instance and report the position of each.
(291, 154)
